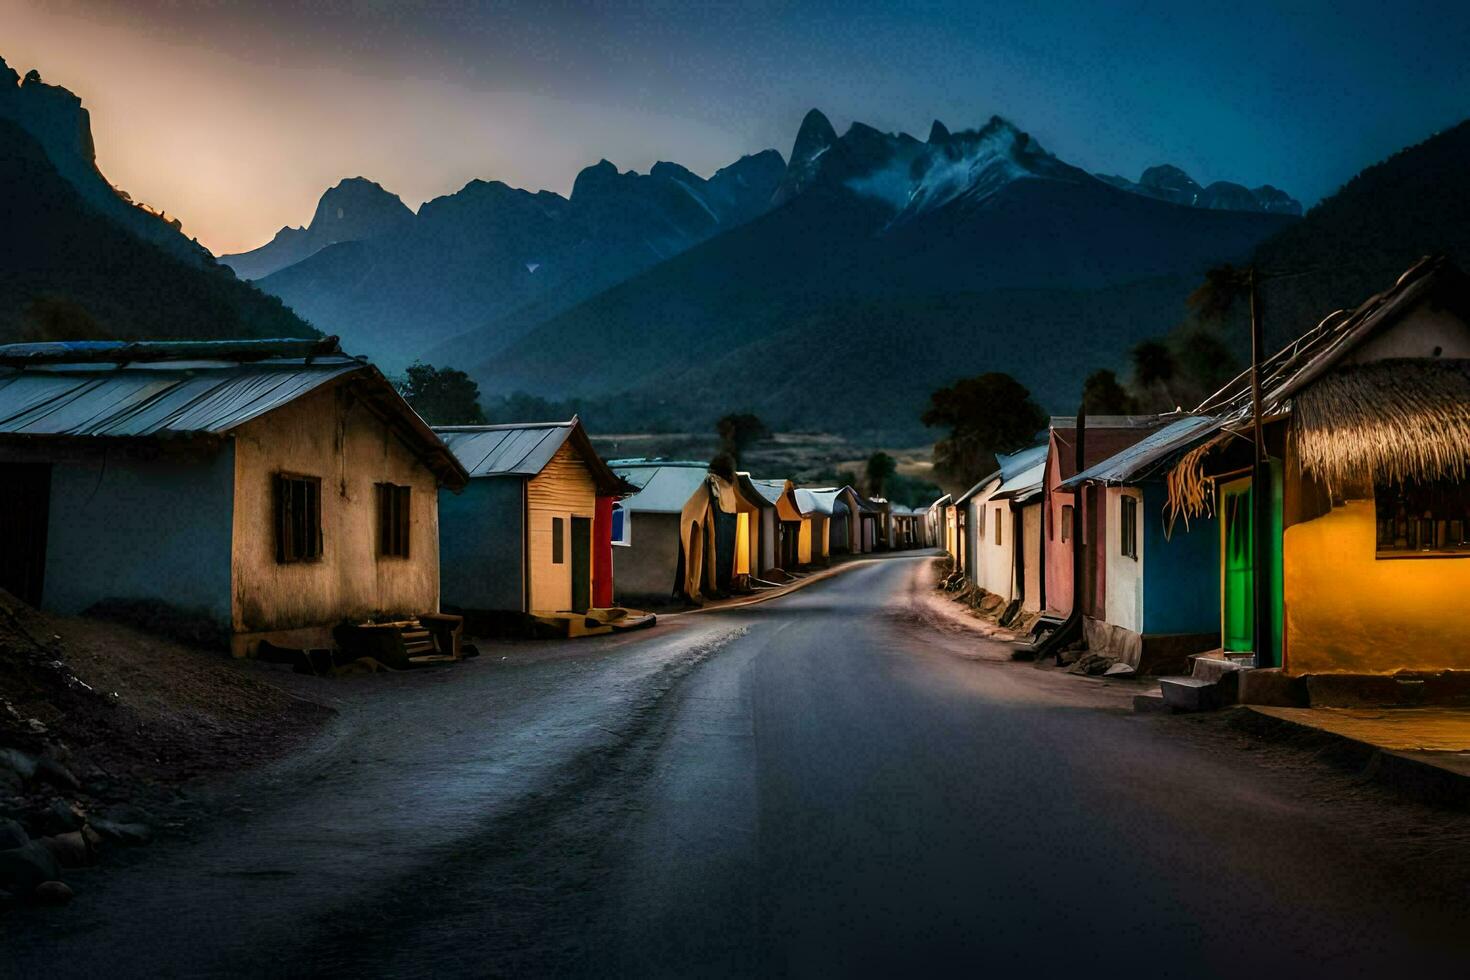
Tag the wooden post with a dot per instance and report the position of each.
(1260, 493)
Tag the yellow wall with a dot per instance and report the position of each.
(329, 435)
(563, 489)
(1348, 612)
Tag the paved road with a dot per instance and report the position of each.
(819, 785)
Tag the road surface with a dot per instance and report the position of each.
(821, 785)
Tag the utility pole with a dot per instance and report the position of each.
(1260, 490)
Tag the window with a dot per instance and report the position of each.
(393, 520)
(981, 529)
(298, 518)
(1422, 518)
(1066, 522)
(558, 540)
(622, 530)
(998, 534)
(1128, 525)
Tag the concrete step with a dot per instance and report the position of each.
(1190, 694)
(1149, 704)
(1213, 668)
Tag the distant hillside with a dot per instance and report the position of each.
(890, 266)
(67, 271)
(1358, 241)
(395, 284)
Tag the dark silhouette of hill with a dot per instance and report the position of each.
(395, 284)
(69, 271)
(889, 267)
(1358, 241)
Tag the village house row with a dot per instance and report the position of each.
(282, 492)
(1144, 536)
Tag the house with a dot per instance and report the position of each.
(648, 543)
(737, 509)
(765, 530)
(1367, 425)
(272, 489)
(532, 532)
(816, 506)
(994, 524)
(788, 521)
(843, 509)
(1078, 511)
(1162, 601)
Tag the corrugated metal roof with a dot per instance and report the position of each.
(155, 399)
(819, 500)
(1155, 448)
(770, 489)
(506, 450)
(664, 486)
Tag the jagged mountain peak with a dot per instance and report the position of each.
(938, 132)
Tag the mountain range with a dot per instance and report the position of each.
(395, 283)
(885, 267)
(829, 291)
(80, 260)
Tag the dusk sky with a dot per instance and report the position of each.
(235, 117)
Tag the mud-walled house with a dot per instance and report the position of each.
(271, 489)
(648, 543)
(1366, 424)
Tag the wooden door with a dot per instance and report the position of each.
(581, 564)
(25, 506)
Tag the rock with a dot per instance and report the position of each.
(23, 868)
(122, 833)
(69, 850)
(1119, 669)
(53, 772)
(12, 834)
(18, 762)
(93, 839)
(52, 893)
(59, 818)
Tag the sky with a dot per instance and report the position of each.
(235, 117)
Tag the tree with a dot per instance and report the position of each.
(443, 396)
(879, 471)
(1102, 394)
(738, 432)
(989, 414)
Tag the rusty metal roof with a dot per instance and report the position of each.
(97, 390)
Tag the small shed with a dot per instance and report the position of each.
(525, 536)
(272, 489)
(647, 541)
(788, 520)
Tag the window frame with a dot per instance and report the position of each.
(619, 511)
(1413, 524)
(286, 529)
(395, 520)
(1067, 521)
(999, 534)
(1128, 526)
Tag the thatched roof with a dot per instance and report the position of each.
(1390, 420)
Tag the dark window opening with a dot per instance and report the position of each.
(1422, 518)
(393, 520)
(998, 533)
(298, 518)
(1129, 528)
(558, 540)
(1066, 522)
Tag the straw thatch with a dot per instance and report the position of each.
(1190, 492)
(1386, 421)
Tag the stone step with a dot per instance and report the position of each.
(1213, 668)
(1149, 703)
(1190, 694)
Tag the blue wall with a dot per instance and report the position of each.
(481, 545)
(126, 528)
(1181, 587)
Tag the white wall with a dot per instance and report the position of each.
(1124, 586)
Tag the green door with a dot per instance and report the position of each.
(1237, 625)
(1237, 569)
